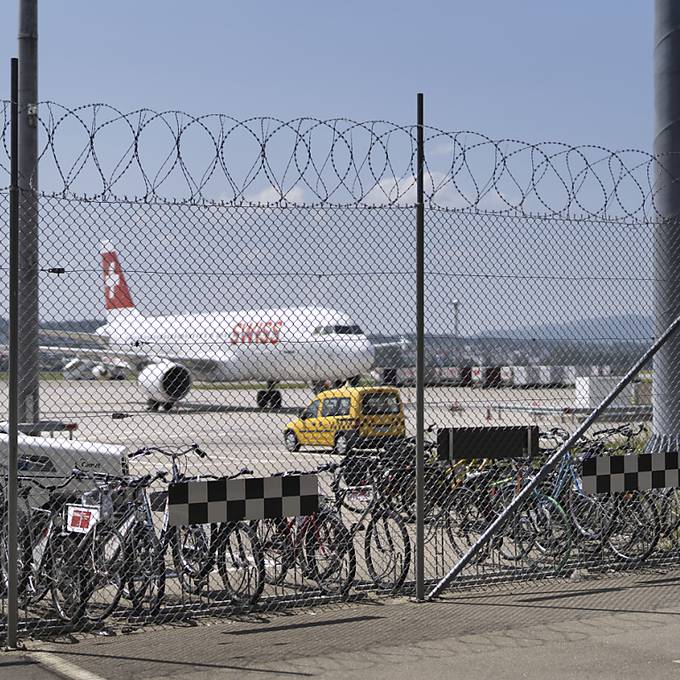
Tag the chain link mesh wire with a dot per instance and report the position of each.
(561, 311)
(251, 312)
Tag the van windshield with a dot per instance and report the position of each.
(380, 403)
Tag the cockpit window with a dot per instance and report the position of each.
(338, 330)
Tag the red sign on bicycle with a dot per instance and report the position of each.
(81, 518)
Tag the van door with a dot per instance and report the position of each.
(309, 424)
(328, 422)
(344, 422)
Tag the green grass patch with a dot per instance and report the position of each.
(44, 375)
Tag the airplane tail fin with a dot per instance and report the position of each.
(117, 295)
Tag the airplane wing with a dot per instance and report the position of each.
(132, 361)
(202, 368)
(77, 336)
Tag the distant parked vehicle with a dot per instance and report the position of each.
(347, 418)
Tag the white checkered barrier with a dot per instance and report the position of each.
(632, 472)
(234, 500)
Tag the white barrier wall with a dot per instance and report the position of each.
(591, 391)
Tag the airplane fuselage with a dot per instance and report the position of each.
(305, 343)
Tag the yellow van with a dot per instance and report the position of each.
(347, 418)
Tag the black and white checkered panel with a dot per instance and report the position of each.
(234, 500)
(612, 474)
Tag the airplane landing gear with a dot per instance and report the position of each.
(270, 398)
(155, 405)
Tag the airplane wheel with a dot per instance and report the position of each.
(168, 406)
(269, 399)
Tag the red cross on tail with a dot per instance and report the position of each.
(116, 292)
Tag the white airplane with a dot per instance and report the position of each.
(309, 344)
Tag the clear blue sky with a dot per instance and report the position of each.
(578, 71)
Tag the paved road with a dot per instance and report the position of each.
(228, 423)
(17, 666)
(614, 627)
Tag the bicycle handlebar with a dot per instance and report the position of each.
(241, 472)
(148, 450)
(322, 467)
(122, 480)
(49, 487)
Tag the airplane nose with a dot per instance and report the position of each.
(367, 353)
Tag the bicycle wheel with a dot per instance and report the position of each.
(190, 553)
(240, 562)
(275, 539)
(387, 550)
(466, 518)
(106, 567)
(67, 577)
(668, 506)
(329, 556)
(552, 532)
(590, 516)
(33, 584)
(517, 536)
(636, 528)
(146, 577)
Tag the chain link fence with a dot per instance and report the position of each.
(241, 303)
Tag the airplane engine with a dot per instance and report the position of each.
(165, 382)
(100, 372)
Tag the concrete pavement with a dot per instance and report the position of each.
(613, 627)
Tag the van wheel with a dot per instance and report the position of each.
(343, 444)
(291, 441)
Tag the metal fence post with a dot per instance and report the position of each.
(420, 361)
(13, 415)
(29, 302)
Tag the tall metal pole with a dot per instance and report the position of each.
(12, 416)
(420, 360)
(29, 351)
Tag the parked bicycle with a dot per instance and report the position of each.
(196, 550)
(45, 550)
(387, 546)
(319, 545)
